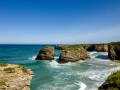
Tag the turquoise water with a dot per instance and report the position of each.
(49, 75)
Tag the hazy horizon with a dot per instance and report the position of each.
(59, 21)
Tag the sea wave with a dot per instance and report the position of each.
(33, 57)
(82, 86)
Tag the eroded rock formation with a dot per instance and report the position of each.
(73, 53)
(46, 53)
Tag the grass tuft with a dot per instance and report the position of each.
(3, 64)
(2, 83)
(23, 68)
(10, 70)
(50, 47)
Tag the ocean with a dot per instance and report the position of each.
(86, 74)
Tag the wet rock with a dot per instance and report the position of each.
(73, 53)
(46, 53)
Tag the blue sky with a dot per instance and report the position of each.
(59, 21)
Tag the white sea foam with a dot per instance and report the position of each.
(92, 52)
(33, 57)
(99, 75)
(82, 86)
(56, 58)
(54, 64)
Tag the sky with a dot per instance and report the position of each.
(59, 21)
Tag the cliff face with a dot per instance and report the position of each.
(73, 53)
(96, 47)
(46, 53)
(112, 82)
(101, 47)
(114, 50)
(14, 77)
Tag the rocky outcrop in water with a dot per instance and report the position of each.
(112, 82)
(114, 50)
(73, 53)
(46, 53)
(96, 47)
(14, 77)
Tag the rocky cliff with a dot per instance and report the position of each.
(14, 77)
(112, 82)
(73, 53)
(114, 50)
(46, 53)
(96, 47)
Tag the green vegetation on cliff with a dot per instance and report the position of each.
(50, 47)
(2, 83)
(10, 70)
(116, 45)
(112, 83)
(3, 64)
(73, 47)
(23, 68)
(114, 78)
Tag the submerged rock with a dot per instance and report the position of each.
(112, 82)
(46, 53)
(73, 53)
(114, 50)
(14, 77)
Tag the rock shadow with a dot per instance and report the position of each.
(102, 57)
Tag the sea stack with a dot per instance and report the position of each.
(114, 50)
(46, 53)
(14, 77)
(73, 53)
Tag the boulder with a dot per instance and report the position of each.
(112, 82)
(114, 50)
(73, 53)
(14, 77)
(46, 53)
